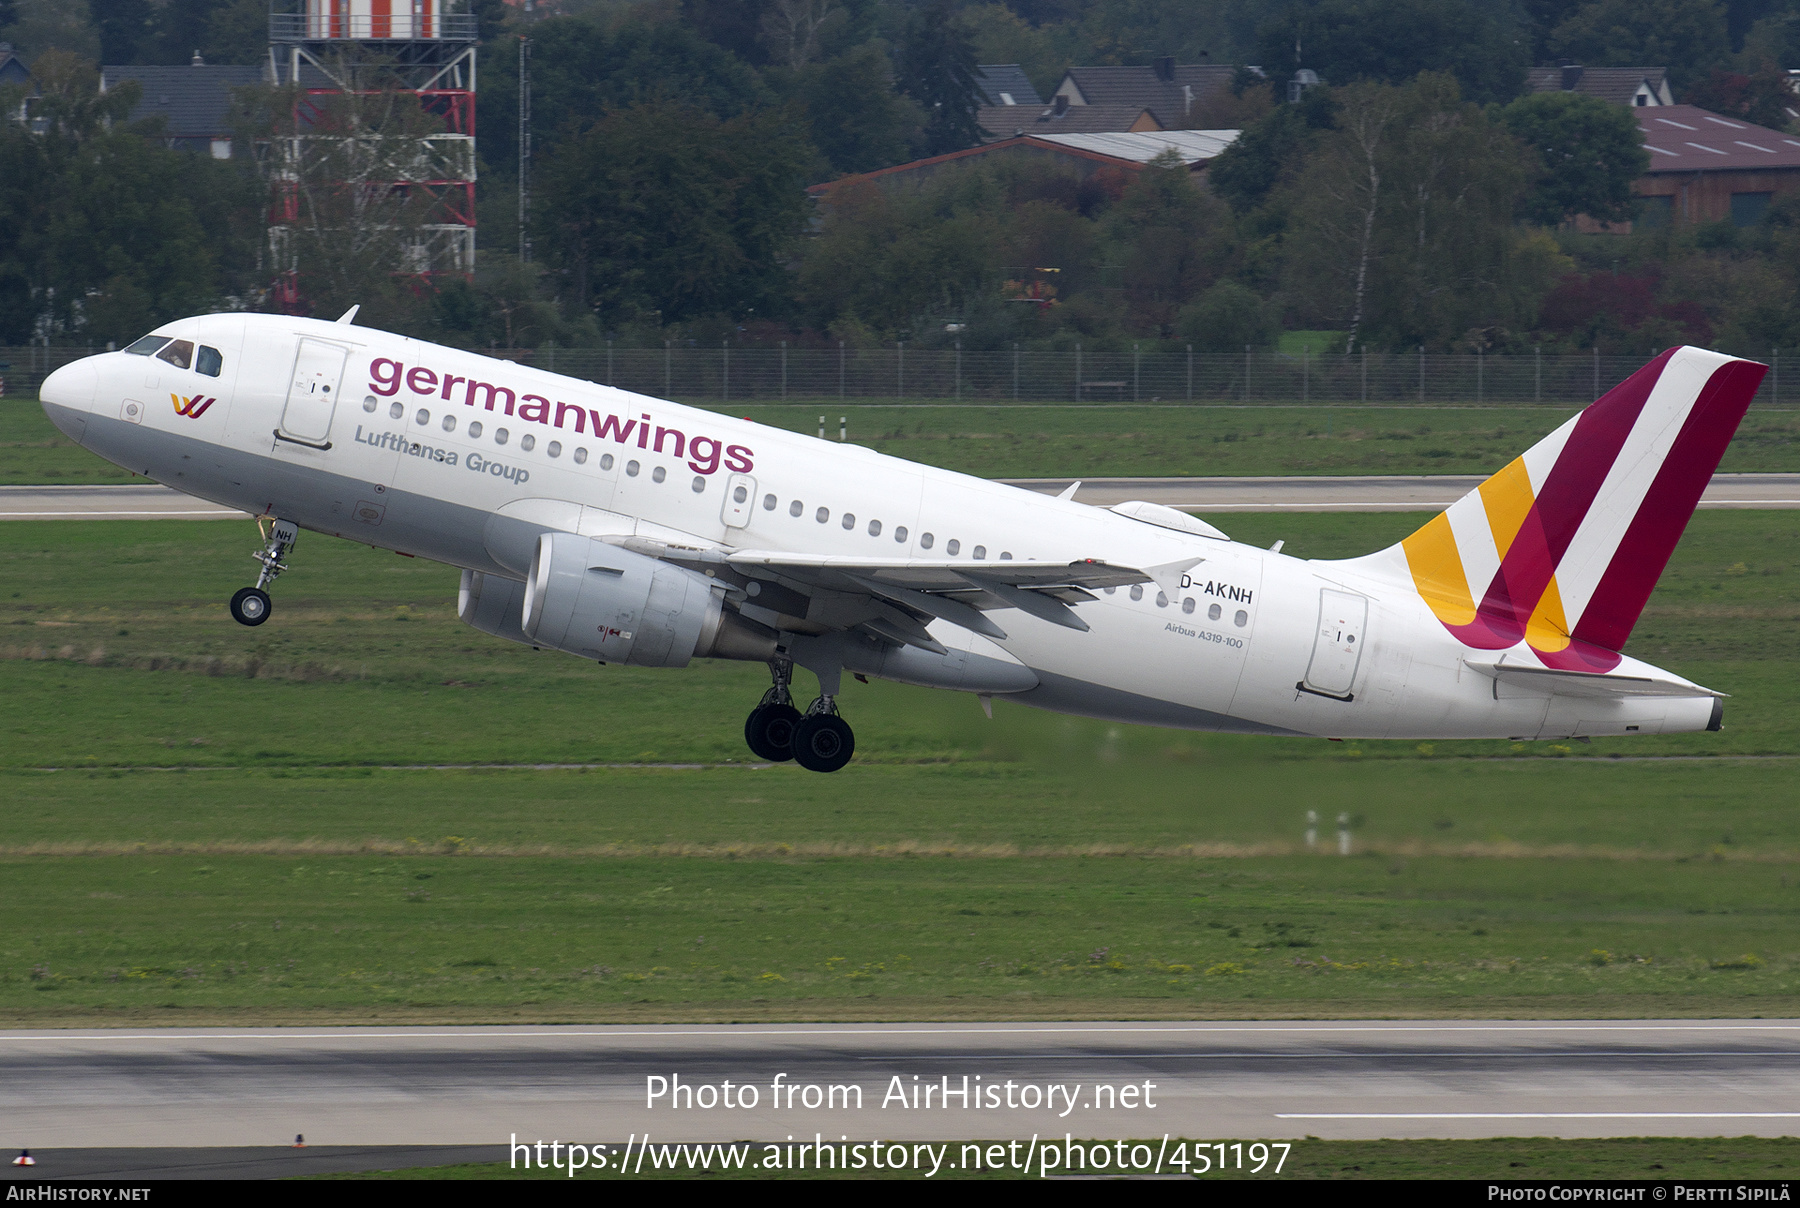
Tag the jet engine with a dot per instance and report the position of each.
(599, 601)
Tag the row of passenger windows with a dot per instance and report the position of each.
(1213, 611)
(953, 547)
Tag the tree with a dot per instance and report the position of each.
(662, 207)
(1226, 318)
(1269, 152)
(1403, 221)
(795, 30)
(1169, 232)
(936, 67)
(1763, 97)
(104, 233)
(1394, 40)
(1590, 152)
(1686, 36)
(855, 118)
(127, 30)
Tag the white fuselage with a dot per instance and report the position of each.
(1229, 652)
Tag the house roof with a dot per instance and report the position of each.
(1171, 98)
(1194, 146)
(12, 67)
(1129, 151)
(1006, 121)
(1686, 138)
(1006, 84)
(1616, 84)
(195, 100)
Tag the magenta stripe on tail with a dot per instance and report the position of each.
(1660, 520)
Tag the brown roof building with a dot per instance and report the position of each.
(1638, 86)
(1707, 168)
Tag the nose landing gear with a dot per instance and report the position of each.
(251, 605)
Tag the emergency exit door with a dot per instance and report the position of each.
(1337, 644)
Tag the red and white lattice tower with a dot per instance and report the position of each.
(335, 49)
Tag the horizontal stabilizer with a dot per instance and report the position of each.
(1590, 685)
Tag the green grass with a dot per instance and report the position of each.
(240, 832)
(1064, 441)
(1499, 1158)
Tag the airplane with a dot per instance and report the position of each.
(628, 529)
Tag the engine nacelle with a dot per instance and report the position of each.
(602, 602)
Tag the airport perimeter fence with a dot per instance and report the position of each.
(728, 373)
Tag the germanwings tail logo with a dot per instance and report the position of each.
(1562, 547)
(192, 408)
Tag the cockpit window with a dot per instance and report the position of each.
(179, 353)
(209, 361)
(147, 345)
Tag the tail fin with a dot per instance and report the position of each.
(1562, 547)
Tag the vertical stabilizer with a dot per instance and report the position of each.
(1562, 547)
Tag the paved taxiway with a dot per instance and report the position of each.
(475, 1086)
(1379, 493)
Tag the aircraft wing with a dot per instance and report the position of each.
(1589, 684)
(893, 597)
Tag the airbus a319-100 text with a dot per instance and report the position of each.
(627, 529)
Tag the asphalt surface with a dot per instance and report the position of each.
(184, 1091)
(1382, 493)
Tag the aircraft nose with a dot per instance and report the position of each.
(67, 395)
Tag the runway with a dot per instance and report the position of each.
(1384, 493)
(362, 1087)
(1368, 493)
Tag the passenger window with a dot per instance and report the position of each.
(1110, 590)
(396, 410)
(874, 528)
(499, 436)
(658, 474)
(209, 361)
(822, 515)
(925, 540)
(1212, 613)
(980, 552)
(554, 448)
(900, 534)
(606, 461)
(699, 484)
(1137, 591)
(1162, 599)
(474, 429)
(954, 548)
(179, 353)
(768, 503)
(1187, 605)
(796, 507)
(631, 469)
(1006, 555)
(147, 345)
(1241, 619)
(449, 423)
(528, 442)
(369, 404)
(422, 418)
(849, 520)
(740, 495)
(581, 457)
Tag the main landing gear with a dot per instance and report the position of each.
(251, 605)
(818, 740)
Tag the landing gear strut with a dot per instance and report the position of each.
(769, 730)
(251, 605)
